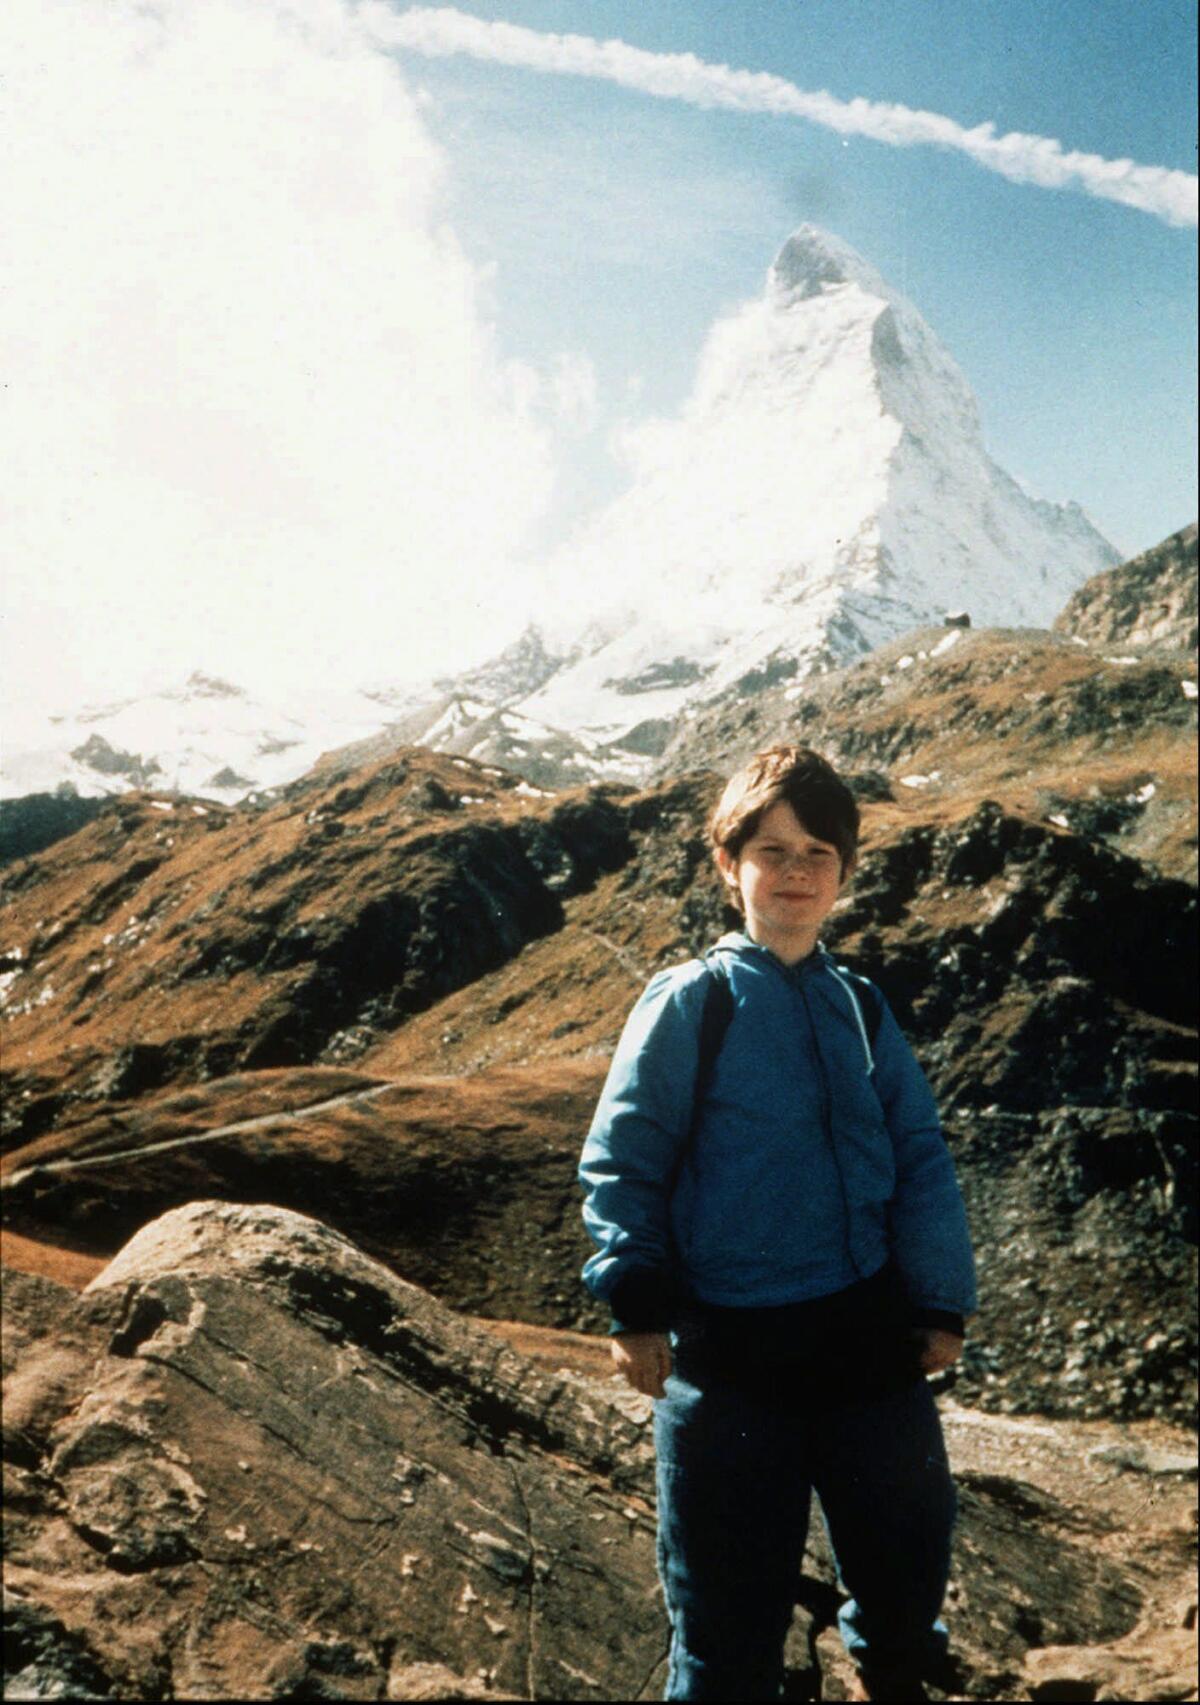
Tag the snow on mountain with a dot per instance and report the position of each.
(824, 488)
(489, 734)
(208, 738)
(520, 669)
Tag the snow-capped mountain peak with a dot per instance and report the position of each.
(813, 260)
(824, 487)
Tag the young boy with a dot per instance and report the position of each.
(782, 1242)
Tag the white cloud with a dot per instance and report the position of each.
(565, 395)
(438, 30)
(256, 419)
(572, 386)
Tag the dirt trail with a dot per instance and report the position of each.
(260, 1122)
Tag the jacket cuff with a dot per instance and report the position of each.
(641, 1301)
(941, 1318)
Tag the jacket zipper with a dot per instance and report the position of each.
(827, 1117)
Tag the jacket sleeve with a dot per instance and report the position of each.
(928, 1223)
(632, 1153)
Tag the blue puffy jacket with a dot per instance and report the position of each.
(816, 1156)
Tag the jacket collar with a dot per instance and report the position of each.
(738, 942)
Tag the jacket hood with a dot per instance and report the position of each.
(742, 946)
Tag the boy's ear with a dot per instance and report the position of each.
(727, 866)
(848, 869)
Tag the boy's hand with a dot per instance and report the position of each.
(937, 1349)
(644, 1358)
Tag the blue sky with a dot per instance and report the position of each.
(318, 344)
(622, 224)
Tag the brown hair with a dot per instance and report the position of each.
(810, 785)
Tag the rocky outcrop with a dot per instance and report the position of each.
(251, 1463)
(1048, 950)
(1149, 601)
(97, 754)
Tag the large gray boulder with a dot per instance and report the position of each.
(251, 1463)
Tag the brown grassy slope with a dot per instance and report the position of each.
(381, 928)
(991, 933)
(464, 1185)
(1029, 718)
(160, 947)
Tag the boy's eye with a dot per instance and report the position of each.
(774, 855)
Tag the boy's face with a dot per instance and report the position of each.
(788, 881)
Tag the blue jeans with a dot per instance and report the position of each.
(736, 1473)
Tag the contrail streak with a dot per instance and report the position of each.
(439, 31)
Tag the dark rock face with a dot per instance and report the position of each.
(1047, 986)
(1071, 944)
(228, 777)
(250, 1463)
(37, 820)
(514, 673)
(106, 760)
(679, 672)
(1085, 1266)
(44, 1659)
(1149, 601)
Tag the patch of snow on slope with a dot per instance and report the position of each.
(188, 740)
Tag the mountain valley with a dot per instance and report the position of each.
(304, 1017)
(412, 972)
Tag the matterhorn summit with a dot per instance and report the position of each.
(824, 488)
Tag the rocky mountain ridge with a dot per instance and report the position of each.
(176, 977)
(205, 738)
(908, 703)
(485, 715)
(1149, 601)
(1080, 736)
